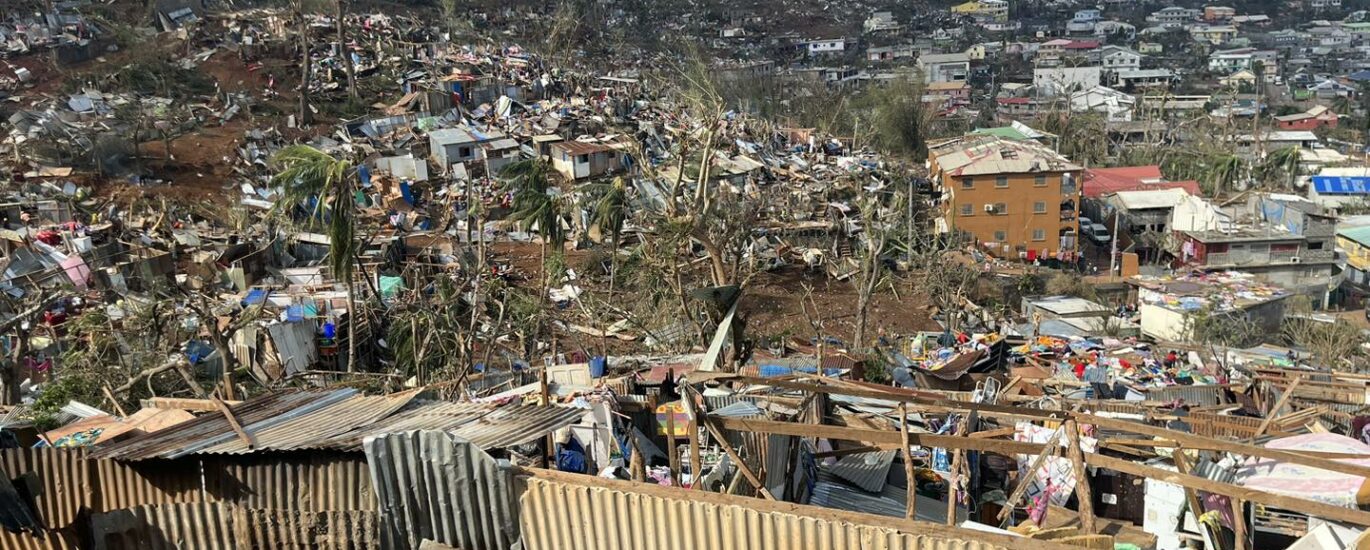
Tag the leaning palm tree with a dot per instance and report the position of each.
(536, 204)
(309, 176)
(1282, 165)
(1223, 174)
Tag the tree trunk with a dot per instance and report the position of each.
(306, 67)
(346, 55)
(613, 272)
(9, 376)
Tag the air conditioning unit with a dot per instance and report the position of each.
(1295, 260)
(990, 208)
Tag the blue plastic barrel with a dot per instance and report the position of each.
(598, 364)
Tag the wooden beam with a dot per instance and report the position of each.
(1164, 444)
(1275, 411)
(1239, 524)
(696, 461)
(741, 466)
(990, 434)
(1026, 479)
(888, 437)
(112, 401)
(1190, 496)
(1077, 462)
(1304, 506)
(954, 483)
(911, 495)
(233, 421)
(907, 396)
(199, 405)
(1199, 442)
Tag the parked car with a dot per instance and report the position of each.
(1097, 232)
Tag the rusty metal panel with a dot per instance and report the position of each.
(305, 482)
(128, 484)
(64, 481)
(557, 515)
(433, 485)
(312, 429)
(199, 525)
(277, 529)
(65, 539)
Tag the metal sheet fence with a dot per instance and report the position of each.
(558, 514)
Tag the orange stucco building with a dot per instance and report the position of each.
(1014, 198)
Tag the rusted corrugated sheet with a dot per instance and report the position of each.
(310, 430)
(433, 485)
(65, 539)
(558, 514)
(220, 526)
(281, 530)
(64, 479)
(210, 429)
(200, 525)
(128, 484)
(308, 482)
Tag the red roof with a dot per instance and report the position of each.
(1105, 181)
(1082, 45)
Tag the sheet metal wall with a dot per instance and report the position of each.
(433, 485)
(313, 482)
(220, 526)
(128, 484)
(558, 516)
(64, 481)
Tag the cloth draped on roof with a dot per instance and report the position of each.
(1301, 481)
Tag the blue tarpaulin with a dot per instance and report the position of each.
(1342, 185)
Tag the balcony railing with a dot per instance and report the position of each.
(1268, 258)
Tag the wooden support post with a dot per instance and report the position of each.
(545, 392)
(232, 421)
(672, 453)
(1190, 496)
(113, 402)
(1275, 411)
(696, 461)
(1239, 524)
(911, 506)
(637, 465)
(954, 482)
(1077, 462)
(741, 466)
(1048, 450)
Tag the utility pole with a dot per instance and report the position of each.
(1113, 251)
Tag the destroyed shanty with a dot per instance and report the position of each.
(663, 275)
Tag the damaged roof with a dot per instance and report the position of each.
(340, 420)
(985, 154)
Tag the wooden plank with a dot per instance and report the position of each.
(1082, 492)
(888, 437)
(988, 434)
(1199, 442)
(232, 421)
(1026, 478)
(199, 405)
(1190, 496)
(909, 396)
(1239, 524)
(1310, 507)
(1275, 411)
(911, 496)
(737, 460)
(954, 483)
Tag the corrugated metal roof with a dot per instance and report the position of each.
(340, 419)
(560, 512)
(327, 422)
(210, 429)
(15, 514)
(868, 471)
(436, 486)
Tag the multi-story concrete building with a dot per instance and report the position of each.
(1015, 198)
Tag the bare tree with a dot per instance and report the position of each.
(1334, 345)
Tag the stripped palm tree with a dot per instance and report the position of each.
(312, 177)
(536, 204)
(608, 212)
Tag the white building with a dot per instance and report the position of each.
(1054, 81)
(1115, 105)
(828, 46)
(1119, 58)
